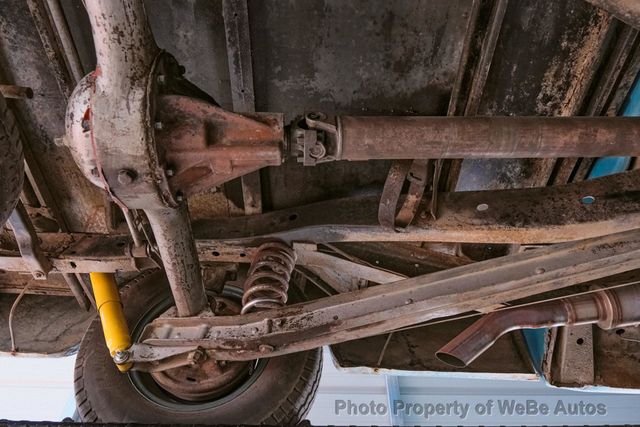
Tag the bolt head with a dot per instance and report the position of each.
(179, 196)
(126, 177)
(121, 356)
(318, 151)
(162, 79)
(38, 274)
(157, 125)
(169, 172)
(265, 348)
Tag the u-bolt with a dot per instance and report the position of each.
(114, 324)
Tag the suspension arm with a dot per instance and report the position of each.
(384, 308)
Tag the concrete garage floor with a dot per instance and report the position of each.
(42, 390)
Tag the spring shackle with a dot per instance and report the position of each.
(267, 282)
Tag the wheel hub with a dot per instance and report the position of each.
(209, 378)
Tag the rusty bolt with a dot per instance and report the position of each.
(196, 356)
(265, 348)
(121, 357)
(38, 274)
(126, 177)
(318, 151)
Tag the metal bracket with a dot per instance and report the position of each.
(417, 173)
(28, 243)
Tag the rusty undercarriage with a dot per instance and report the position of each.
(426, 177)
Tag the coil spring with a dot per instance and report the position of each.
(268, 278)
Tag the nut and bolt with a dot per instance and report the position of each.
(121, 356)
(126, 176)
(196, 356)
(318, 151)
(265, 348)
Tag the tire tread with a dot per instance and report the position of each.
(291, 410)
(11, 162)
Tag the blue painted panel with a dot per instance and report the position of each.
(608, 166)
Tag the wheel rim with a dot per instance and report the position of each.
(188, 397)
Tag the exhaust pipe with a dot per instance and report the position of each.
(608, 308)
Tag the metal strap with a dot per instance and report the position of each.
(417, 173)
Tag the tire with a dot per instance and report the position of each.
(11, 162)
(281, 393)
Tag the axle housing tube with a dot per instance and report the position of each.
(174, 239)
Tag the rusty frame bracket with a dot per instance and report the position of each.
(28, 243)
(417, 172)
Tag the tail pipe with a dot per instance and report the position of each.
(608, 308)
(114, 324)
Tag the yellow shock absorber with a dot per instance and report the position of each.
(114, 325)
